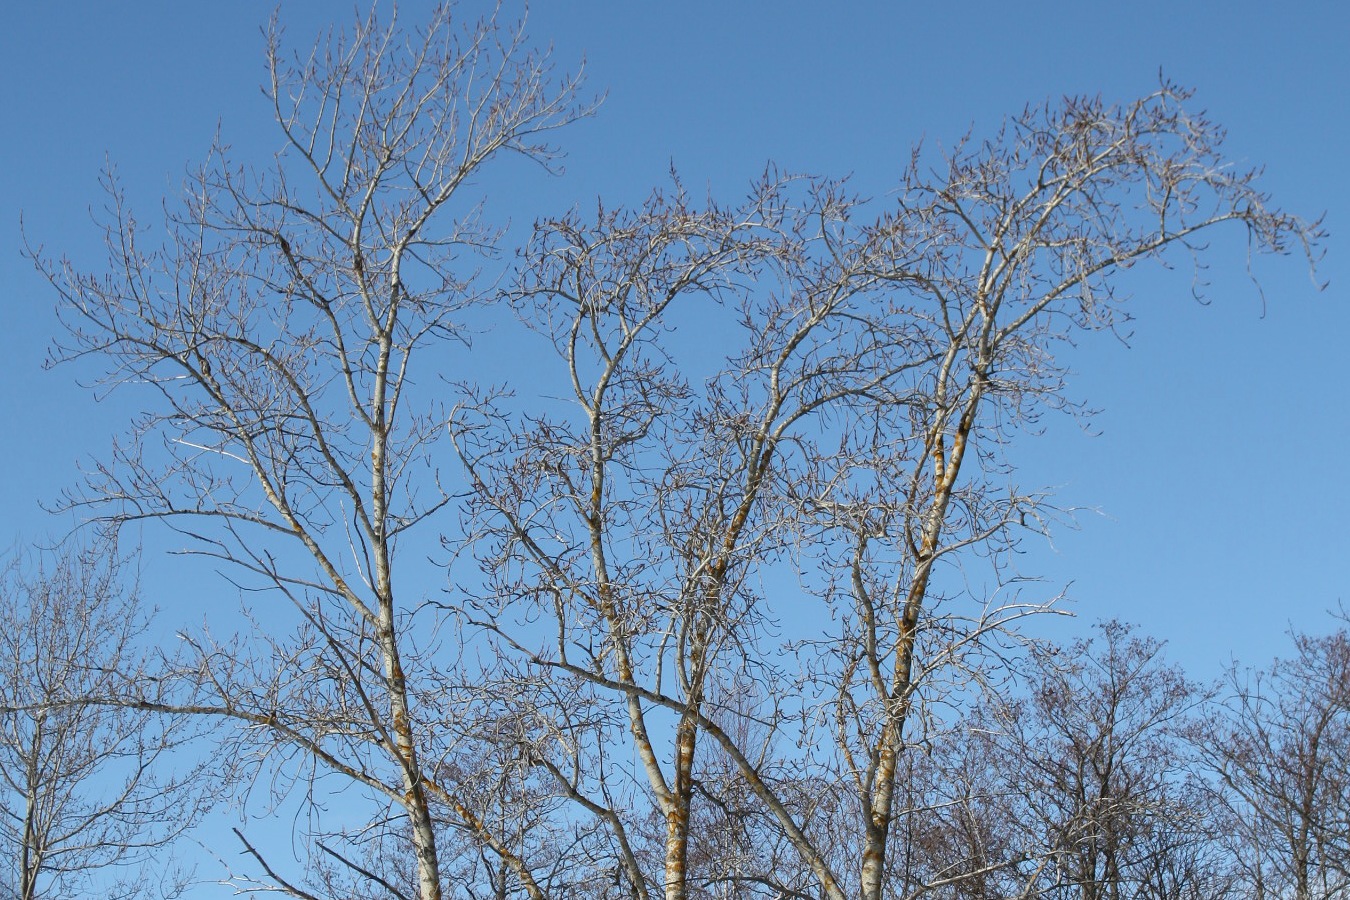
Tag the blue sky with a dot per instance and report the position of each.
(1217, 460)
(1216, 465)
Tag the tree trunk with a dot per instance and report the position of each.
(677, 812)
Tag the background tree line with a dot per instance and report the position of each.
(732, 606)
(1103, 772)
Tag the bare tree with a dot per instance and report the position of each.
(632, 706)
(289, 324)
(835, 426)
(1281, 747)
(1091, 771)
(85, 790)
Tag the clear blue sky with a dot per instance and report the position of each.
(1218, 463)
(1217, 460)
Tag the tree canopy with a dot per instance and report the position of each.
(722, 598)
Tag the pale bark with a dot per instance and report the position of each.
(279, 325)
(626, 545)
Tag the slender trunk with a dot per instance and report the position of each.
(405, 748)
(415, 797)
(677, 811)
(889, 746)
(877, 826)
(686, 738)
(890, 743)
(414, 791)
(31, 862)
(1302, 886)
